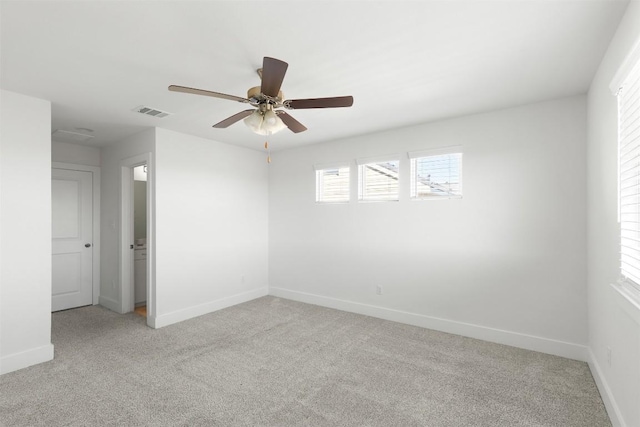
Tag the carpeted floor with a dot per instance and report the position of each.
(274, 362)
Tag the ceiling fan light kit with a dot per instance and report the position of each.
(264, 119)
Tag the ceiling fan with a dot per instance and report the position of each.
(266, 118)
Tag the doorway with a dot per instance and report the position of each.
(137, 237)
(140, 239)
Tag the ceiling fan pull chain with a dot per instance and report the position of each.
(266, 147)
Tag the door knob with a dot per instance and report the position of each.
(87, 245)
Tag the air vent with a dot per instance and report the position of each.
(151, 112)
(68, 136)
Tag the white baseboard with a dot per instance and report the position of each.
(605, 392)
(162, 320)
(24, 359)
(514, 339)
(110, 303)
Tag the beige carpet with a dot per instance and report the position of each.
(274, 362)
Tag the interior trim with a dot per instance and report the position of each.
(499, 336)
(24, 359)
(627, 301)
(159, 321)
(605, 392)
(111, 304)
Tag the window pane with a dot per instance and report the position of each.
(629, 179)
(378, 181)
(436, 176)
(332, 185)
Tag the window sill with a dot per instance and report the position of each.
(422, 199)
(628, 300)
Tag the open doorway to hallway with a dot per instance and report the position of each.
(136, 243)
(140, 239)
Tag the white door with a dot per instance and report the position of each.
(72, 233)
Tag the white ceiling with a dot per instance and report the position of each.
(405, 62)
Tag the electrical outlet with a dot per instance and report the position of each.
(609, 356)
(379, 290)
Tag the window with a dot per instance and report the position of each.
(436, 174)
(378, 180)
(332, 184)
(629, 178)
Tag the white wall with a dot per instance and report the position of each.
(25, 231)
(65, 152)
(211, 226)
(506, 263)
(112, 156)
(610, 324)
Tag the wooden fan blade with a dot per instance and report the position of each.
(194, 91)
(337, 101)
(273, 71)
(294, 125)
(235, 118)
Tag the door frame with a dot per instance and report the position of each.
(95, 171)
(127, 299)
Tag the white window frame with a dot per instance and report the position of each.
(413, 159)
(365, 162)
(627, 83)
(331, 166)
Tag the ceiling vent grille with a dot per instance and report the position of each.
(151, 111)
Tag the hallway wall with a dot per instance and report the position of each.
(25, 231)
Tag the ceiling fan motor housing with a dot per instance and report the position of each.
(256, 96)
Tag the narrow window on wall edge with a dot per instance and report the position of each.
(332, 183)
(378, 180)
(436, 174)
(628, 93)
